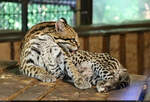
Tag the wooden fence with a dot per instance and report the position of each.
(85, 32)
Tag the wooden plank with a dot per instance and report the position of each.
(86, 43)
(18, 87)
(62, 90)
(130, 93)
(123, 50)
(95, 44)
(106, 43)
(35, 92)
(123, 26)
(10, 84)
(66, 91)
(49, 90)
(4, 51)
(115, 46)
(22, 90)
(131, 53)
(140, 52)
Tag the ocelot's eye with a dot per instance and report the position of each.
(73, 41)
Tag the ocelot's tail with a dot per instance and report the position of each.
(124, 79)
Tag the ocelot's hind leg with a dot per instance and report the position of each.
(82, 83)
(108, 81)
(38, 73)
(77, 78)
(105, 85)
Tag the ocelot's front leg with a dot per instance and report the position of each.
(78, 80)
(36, 60)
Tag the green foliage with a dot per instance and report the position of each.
(46, 12)
(120, 11)
(10, 14)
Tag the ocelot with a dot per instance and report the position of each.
(49, 51)
(101, 69)
(44, 53)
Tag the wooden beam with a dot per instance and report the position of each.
(77, 13)
(16, 1)
(122, 49)
(24, 15)
(140, 52)
(115, 27)
(86, 12)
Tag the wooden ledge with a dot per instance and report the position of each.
(17, 87)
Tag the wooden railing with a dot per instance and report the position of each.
(106, 32)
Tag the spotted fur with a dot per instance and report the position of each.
(101, 69)
(44, 53)
(49, 51)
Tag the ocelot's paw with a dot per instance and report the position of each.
(101, 87)
(81, 83)
(47, 78)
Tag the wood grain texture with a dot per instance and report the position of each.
(140, 52)
(17, 50)
(147, 52)
(95, 43)
(10, 84)
(114, 46)
(5, 51)
(131, 53)
(69, 92)
(106, 44)
(81, 39)
(122, 50)
(86, 43)
(18, 87)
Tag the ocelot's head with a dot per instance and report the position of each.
(65, 36)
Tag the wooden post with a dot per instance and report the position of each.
(86, 12)
(77, 13)
(140, 52)
(86, 43)
(86, 18)
(24, 15)
(106, 43)
(122, 49)
(12, 51)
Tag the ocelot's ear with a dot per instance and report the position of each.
(60, 25)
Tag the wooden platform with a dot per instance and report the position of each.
(14, 86)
